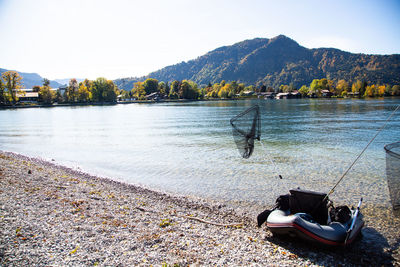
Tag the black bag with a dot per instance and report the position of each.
(282, 203)
(340, 214)
(309, 202)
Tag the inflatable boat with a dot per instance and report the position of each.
(305, 215)
(303, 226)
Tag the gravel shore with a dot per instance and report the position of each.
(51, 215)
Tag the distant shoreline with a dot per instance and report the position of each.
(18, 106)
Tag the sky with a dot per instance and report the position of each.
(130, 38)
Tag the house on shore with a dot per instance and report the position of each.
(295, 94)
(156, 96)
(290, 95)
(28, 97)
(282, 96)
(326, 93)
(266, 95)
(353, 94)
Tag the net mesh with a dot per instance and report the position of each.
(393, 173)
(246, 127)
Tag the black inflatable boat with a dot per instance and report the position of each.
(311, 216)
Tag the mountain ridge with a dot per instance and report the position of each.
(30, 80)
(276, 61)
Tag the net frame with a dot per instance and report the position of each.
(246, 127)
(393, 173)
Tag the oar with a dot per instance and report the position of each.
(354, 221)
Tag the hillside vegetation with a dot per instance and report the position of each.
(277, 61)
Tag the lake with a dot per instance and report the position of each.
(188, 148)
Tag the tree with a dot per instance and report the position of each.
(183, 90)
(167, 88)
(235, 87)
(125, 94)
(369, 91)
(388, 90)
(284, 88)
(72, 91)
(355, 87)
(162, 87)
(3, 99)
(359, 87)
(341, 86)
(396, 90)
(187, 90)
(381, 90)
(315, 88)
(173, 93)
(138, 90)
(240, 88)
(150, 86)
(363, 86)
(83, 94)
(304, 90)
(213, 93)
(58, 97)
(202, 93)
(46, 95)
(46, 82)
(110, 92)
(11, 83)
(224, 91)
(88, 84)
(104, 90)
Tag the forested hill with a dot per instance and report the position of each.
(277, 61)
(31, 79)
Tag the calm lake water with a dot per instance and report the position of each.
(187, 148)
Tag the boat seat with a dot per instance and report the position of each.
(310, 202)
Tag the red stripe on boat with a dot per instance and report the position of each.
(306, 232)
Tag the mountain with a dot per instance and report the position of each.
(66, 80)
(31, 79)
(281, 60)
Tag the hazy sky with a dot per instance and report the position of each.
(122, 38)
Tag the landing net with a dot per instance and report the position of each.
(393, 173)
(246, 127)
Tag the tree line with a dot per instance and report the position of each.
(103, 90)
(343, 89)
(99, 90)
(187, 89)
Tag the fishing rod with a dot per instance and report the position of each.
(358, 157)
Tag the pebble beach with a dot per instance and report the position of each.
(51, 215)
